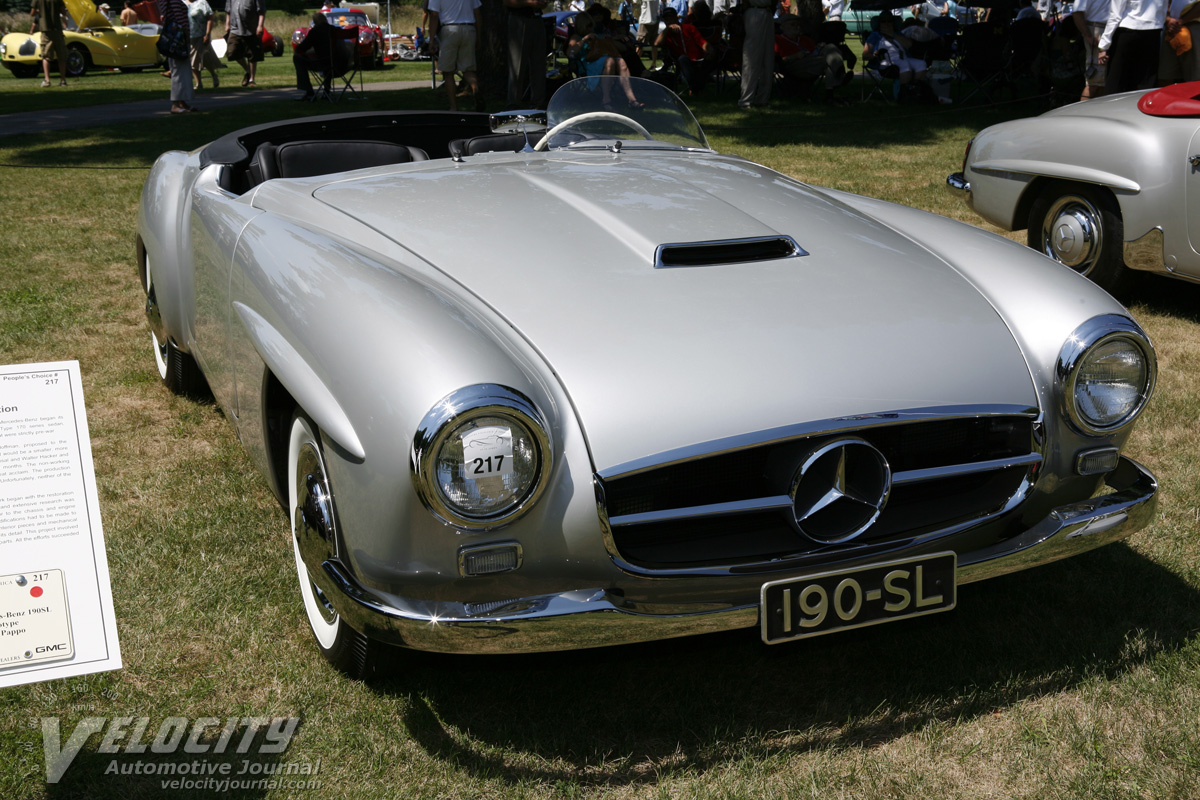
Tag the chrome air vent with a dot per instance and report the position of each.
(727, 251)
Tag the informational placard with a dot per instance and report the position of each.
(56, 606)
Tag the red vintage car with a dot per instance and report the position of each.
(370, 35)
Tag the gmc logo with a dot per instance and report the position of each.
(50, 648)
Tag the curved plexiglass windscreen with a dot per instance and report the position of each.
(636, 111)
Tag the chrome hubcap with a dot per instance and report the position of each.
(312, 520)
(1072, 233)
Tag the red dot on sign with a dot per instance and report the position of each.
(36, 591)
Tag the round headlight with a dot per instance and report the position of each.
(480, 457)
(1108, 369)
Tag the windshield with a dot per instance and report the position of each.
(650, 107)
(344, 19)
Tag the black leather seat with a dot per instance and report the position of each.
(492, 143)
(304, 159)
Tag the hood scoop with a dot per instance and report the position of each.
(727, 251)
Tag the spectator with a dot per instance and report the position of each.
(930, 9)
(833, 9)
(1179, 56)
(598, 56)
(174, 14)
(128, 15)
(691, 53)
(647, 31)
(452, 32)
(244, 27)
(802, 60)
(1089, 17)
(1130, 42)
(893, 51)
(1026, 10)
(315, 52)
(47, 19)
(623, 43)
(527, 50)
(758, 54)
(200, 18)
(106, 10)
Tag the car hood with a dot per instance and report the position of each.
(86, 15)
(563, 247)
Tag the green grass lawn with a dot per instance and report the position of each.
(1075, 680)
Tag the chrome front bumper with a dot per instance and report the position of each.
(594, 618)
(959, 182)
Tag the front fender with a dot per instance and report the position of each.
(379, 338)
(1007, 161)
(160, 240)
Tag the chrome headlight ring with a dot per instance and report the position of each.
(510, 466)
(1105, 374)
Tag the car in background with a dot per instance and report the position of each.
(650, 391)
(370, 35)
(95, 43)
(1107, 187)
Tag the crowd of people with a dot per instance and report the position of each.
(789, 47)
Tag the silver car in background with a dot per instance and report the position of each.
(1105, 186)
(592, 383)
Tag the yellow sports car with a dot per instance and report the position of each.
(93, 43)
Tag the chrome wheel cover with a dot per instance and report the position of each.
(306, 471)
(1073, 233)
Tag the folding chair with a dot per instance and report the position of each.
(343, 58)
(982, 59)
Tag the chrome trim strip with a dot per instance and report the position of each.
(808, 429)
(1147, 253)
(796, 250)
(710, 510)
(954, 470)
(594, 617)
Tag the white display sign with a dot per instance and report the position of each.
(487, 452)
(56, 607)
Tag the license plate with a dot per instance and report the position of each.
(797, 608)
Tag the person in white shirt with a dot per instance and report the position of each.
(647, 31)
(1130, 42)
(1090, 17)
(833, 9)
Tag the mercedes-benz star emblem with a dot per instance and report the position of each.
(840, 490)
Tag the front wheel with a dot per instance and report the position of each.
(77, 61)
(176, 368)
(1080, 226)
(310, 506)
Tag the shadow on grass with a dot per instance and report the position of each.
(138, 144)
(617, 716)
(1165, 295)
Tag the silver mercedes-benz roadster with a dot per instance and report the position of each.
(1105, 186)
(584, 381)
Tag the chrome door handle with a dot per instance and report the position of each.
(1194, 161)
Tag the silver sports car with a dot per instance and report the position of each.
(595, 383)
(1105, 186)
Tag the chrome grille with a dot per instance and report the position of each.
(733, 508)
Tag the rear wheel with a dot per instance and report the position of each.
(1080, 226)
(77, 61)
(310, 507)
(176, 368)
